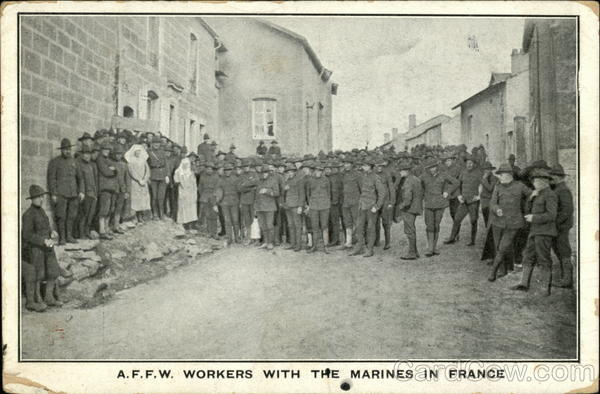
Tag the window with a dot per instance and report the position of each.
(152, 105)
(193, 63)
(152, 45)
(127, 112)
(264, 118)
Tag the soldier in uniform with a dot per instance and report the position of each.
(226, 195)
(123, 189)
(274, 150)
(159, 178)
(515, 168)
(174, 160)
(261, 149)
(318, 198)
(231, 156)
(452, 169)
(204, 148)
(89, 180)
(108, 186)
(247, 184)
(265, 205)
(350, 197)
(293, 200)
(409, 206)
(280, 225)
(469, 182)
(386, 214)
(488, 182)
(208, 207)
(564, 223)
(506, 218)
(372, 195)
(66, 189)
(437, 187)
(543, 207)
(335, 212)
(39, 260)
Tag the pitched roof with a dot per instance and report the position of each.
(499, 77)
(324, 72)
(420, 128)
(492, 86)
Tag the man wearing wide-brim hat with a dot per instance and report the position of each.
(66, 189)
(159, 178)
(409, 206)
(488, 182)
(453, 168)
(350, 197)
(372, 197)
(108, 186)
(89, 178)
(335, 211)
(227, 197)
(38, 258)
(274, 150)
(564, 223)
(265, 205)
(208, 207)
(543, 204)
(318, 202)
(122, 196)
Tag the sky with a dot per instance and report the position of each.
(388, 68)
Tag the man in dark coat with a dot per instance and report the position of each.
(89, 179)
(159, 178)
(274, 150)
(564, 223)
(409, 205)
(108, 186)
(543, 208)
(39, 260)
(204, 148)
(261, 149)
(66, 190)
(318, 199)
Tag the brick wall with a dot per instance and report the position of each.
(67, 74)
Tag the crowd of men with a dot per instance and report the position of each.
(337, 200)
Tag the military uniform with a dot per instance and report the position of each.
(265, 205)
(248, 182)
(350, 197)
(434, 203)
(454, 171)
(206, 188)
(487, 187)
(506, 197)
(261, 150)
(172, 193)
(318, 195)
(469, 190)
(123, 193)
(227, 192)
(64, 184)
(372, 197)
(41, 259)
(410, 205)
(274, 150)
(87, 207)
(386, 213)
(294, 198)
(564, 223)
(159, 171)
(108, 185)
(544, 208)
(335, 212)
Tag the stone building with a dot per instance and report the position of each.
(496, 117)
(440, 130)
(551, 134)
(168, 74)
(275, 88)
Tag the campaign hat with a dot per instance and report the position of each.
(85, 136)
(540, 173)
(35, 191)
(65, 143)
(505, 167)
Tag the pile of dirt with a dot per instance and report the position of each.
(95, 270)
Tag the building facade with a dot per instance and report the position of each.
(79, 74)
(551, 134)
(439, 130)
(495, 117)
(276, 89)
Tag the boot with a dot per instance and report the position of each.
(387, 235)
(62, 237)
(38, 294)
(429, 252)
(495, 266)
(414, 246)
(526, 276)
(435, 241)
(453, 234)
(369, 253)
(116, 220)
(270, 235)
(31, 303)
(276, 236)
(325, 237)
(81, 228)
(358, 249)
(348, 243)
(411, 254)
(546, 281)
(292, 239)
(49, 295)
(567, 277)
(236, 234)
(309, 242)
(473, 234)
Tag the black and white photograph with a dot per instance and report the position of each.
(215, 187)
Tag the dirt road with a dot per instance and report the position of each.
(245, 303)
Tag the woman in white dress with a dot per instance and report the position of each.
(139, 171)
(188, 193)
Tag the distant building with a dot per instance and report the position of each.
(276, 88)
(551, 133)
(439, 130)
(496, 116)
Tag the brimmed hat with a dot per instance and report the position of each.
(273, 142)
(36, 191)
(540, 173)
(214, 143)
(205, 137)
(99, 134)
(65, 143)
(430, 163)
(488, 166)
(232, 146)
(504, 167)
(85, 136)
(558, 170)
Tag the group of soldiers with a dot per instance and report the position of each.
(337, 200)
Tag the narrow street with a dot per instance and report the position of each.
(245, 303)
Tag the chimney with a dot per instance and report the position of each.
(412, 121)
(519, 61)
(386, 138)
(394, 133)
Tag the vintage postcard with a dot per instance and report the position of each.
(300, 197)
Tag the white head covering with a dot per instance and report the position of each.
(184, 170)
(130, 154)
